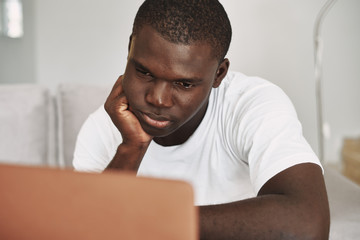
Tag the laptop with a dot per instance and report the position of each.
(44, 203)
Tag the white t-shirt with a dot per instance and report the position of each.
(249, 133)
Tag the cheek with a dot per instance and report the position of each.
(131, 89)
(190, 104)
(129, 84)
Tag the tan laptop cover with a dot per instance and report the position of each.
(43, 203)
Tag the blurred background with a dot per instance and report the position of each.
(85, 42)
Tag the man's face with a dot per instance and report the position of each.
(168, 85)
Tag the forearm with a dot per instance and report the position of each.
(273, 216)
(128, 157)
(291, 205)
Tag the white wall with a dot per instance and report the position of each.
(342, 74)
(82, 41)
(85, 41)
(19, 53)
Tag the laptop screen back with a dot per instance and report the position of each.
(43, 203)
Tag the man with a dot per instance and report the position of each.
(177, 113)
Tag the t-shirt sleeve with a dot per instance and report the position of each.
(96, 143)
(269, 136)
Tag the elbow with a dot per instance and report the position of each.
(322, 229)
(316, 227)
(309, 224)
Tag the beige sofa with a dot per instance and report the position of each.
(38, 127)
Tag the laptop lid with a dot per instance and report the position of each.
(43, 203)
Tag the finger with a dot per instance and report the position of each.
(119, 81)
(117, 88)
(123, 105)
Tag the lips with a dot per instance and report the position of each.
(156, 121)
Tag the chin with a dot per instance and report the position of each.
(156, 132)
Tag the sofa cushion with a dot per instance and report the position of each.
(75, 102)
(344, 201)
(24, 124)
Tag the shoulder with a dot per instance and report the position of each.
(96, 142)
(243, 82)
(243, 105)
(236, 83)
(268, 133)
(98, 122)
(241, 94)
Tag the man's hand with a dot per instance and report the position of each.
(117, 106)
(135, 139)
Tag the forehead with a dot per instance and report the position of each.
(161, 56)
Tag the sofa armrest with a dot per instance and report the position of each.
(24, 124)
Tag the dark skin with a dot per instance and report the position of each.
(162, 97)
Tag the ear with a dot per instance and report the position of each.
(221, 72)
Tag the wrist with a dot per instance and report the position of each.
(129, 155)
(131, 145)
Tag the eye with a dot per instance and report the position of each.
(184, 85)
(143, 72)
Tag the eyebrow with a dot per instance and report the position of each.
(142, 67)
(139, 65)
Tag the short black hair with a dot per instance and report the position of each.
(187, 22)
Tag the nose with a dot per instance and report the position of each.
(160, 94)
